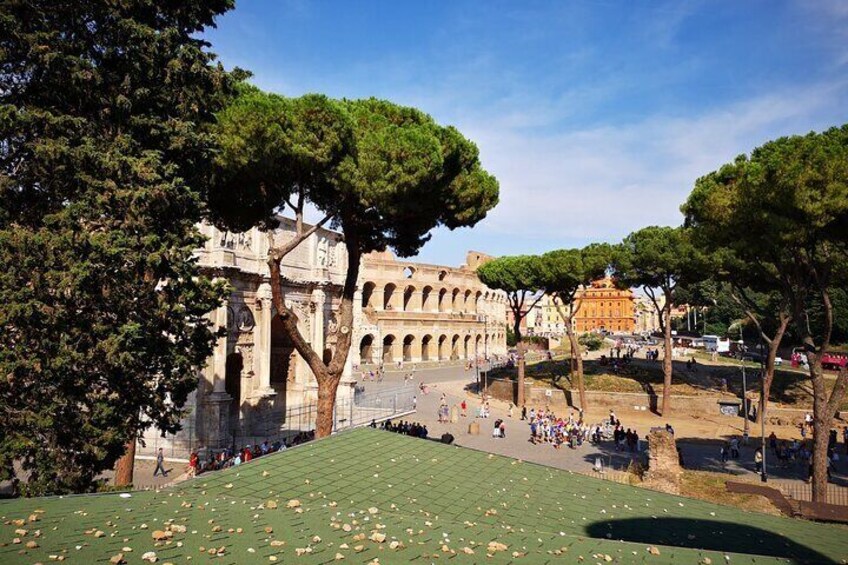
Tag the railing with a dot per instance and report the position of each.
(276, 424)
(836, 494)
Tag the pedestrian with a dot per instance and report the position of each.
(725, 453)
(509, 410)
(734, 448)
(414, 402)
(758, 460)
(160, 464)
(464, 407)
(503, 429)
(524, 417)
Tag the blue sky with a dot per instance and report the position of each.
(596, 116)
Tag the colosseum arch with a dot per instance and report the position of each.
(479, 348)
(426, 299)
(425, 347)
(368, 294)
(466, 302)
(366, 349)
(443, 298)
(388, 296)
(477, 298)
(408, 345)
(408, 295)
(454, 347)
(455, 300)
(443, 344)
(466, 348)
(388, 348)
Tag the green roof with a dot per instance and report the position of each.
(435, 502)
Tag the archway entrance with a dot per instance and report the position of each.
(408, 342)
(366, 349)
(283, 359)
(425, 347)
(388, 347)
(232, 384)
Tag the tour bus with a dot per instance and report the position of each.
(713, 343)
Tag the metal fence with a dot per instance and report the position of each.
(284, 423)
(803, 491)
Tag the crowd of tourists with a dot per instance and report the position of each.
(413, 429)
(230, 457)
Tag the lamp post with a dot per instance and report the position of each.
(763, 474)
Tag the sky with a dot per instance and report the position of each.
(595, 116)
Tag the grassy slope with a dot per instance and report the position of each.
(433, 498)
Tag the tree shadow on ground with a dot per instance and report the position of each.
(711, 535)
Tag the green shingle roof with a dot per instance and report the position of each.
(435, 502)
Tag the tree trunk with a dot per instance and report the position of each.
(667, 364)
(774, 345)
(125, 466)
(519, 400)
(329, 375)
(821, 428)
(575, 348)
(327, 387)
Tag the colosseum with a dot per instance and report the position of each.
(419, 313)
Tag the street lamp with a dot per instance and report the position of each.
(763, 474)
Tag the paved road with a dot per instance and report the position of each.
(458, 384)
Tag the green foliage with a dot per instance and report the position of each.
(510, 337)
(385, 174)
(102, 329)
(564, 271)
(591, 341)
(520, 276)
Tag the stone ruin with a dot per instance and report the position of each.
(664, 469)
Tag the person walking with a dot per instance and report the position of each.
(464, 407)
(758, 460)
(160, 464)
(524, 417)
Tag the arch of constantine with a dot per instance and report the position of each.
(255, 380)
(414, 312)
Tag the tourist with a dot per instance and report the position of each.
(193, 462)
(509, 410)
(496, 429)
(734, 448)
(773, 442)
(725, 453)
(160, 467)
(503, 429)
(463, 408)
(524, 417)
(758, 460)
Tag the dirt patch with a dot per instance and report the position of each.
(712, 487)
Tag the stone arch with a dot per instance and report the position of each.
(366, 349)
(479, 348)
(408, 294)
(455, 300)
(232, 384)
(388, 296)
(466, 301)
(408, 345)
(368, 294)
(443, 344)
(408, 272)
(443, 298)
(477, 298)
(388, 348)
(425, 347)
(426, 293)
(466, 348)
(454, 347)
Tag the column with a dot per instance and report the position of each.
(219, 355)
(317, 312)
(262, 340)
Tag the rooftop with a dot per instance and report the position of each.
(370, 494)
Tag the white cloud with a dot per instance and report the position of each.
(601, 183)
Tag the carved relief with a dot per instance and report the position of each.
(245, 320)
(231, 320)
(241, 241)
(322, 252)
(246, 351)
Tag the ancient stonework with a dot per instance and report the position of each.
(664, 469)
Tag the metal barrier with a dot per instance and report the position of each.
(836, 494)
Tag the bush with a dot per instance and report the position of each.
(590, 341)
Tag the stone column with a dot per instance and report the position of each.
(316, 309)
(214, 426)
(262, 341)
